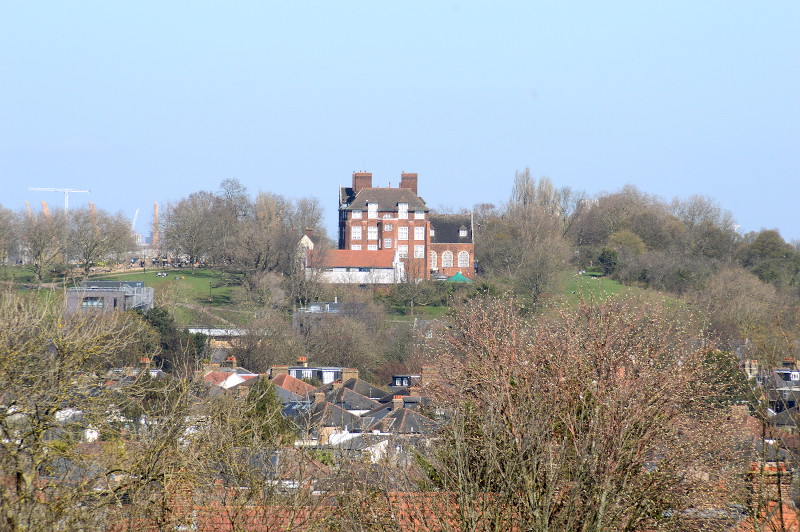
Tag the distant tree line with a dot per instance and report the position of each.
(748, 284)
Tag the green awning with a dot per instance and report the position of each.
(459, 278)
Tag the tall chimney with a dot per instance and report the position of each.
(361, 180)
(349, 373)
(274, 371)
(409, 180)
(397, 402)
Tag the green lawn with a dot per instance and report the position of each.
(590, 286)
(200, 287)
(202, 298)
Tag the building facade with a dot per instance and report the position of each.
(379, 219)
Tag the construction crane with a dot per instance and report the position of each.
(133, 223)
(66, 192)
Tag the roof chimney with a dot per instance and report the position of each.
(232, 360)
(409, 180)
(319, 397)
(302, 361)
(361, 180)
(349, 373)
(397, 402)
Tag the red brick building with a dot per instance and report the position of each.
(379, 219)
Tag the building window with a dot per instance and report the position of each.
(462, 232)
(463, 259)
(447, 259)
(402, 211)
(355, 233)
(387, 216)
(402, 233)
(355, 247)
(372, 233)
(433, 260)
(419, 251)
(402, 252)
(387, 227)
(356, 215)
(372, 247)
(419, 215)
(419, 233)
(372, 210)
(92, 302)
(387, 243)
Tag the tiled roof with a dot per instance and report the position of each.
(292, 384)
(326, 414)
(364, 388)
(404, 421)
(446, 228)
(346, 258)
(350, 400)
(386, 198)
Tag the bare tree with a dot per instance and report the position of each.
(602, 418)
(96, 235)
(8, 233)
(42, 236)
(188, 228)
(51, 402)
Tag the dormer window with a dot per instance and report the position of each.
(372, 210)
(462, 232)
(402, 211)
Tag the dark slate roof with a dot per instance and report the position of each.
(446, 228)
(404, 421)
(349, 400)
(326, 414)
(364, 388)
(285, 396)
(386, 198)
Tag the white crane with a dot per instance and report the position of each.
(66, 192)
(133, 223)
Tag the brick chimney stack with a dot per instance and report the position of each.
(409, 181)
(397, 402)
(349, 373)
(361, 180)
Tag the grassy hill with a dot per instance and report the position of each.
(205, 297)
(591, 287)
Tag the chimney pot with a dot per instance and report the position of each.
(397, 402)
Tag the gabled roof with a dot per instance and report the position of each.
(364, 388)
(447, 227)
(386, 198)
(347, 258)
(350, 400)
(459, 278)
(403, 421)
(326, 414)
(292, 384)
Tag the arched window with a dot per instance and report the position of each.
(447, 259)
(433, 260)
(463, 259)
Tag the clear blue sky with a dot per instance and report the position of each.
(146, 102)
